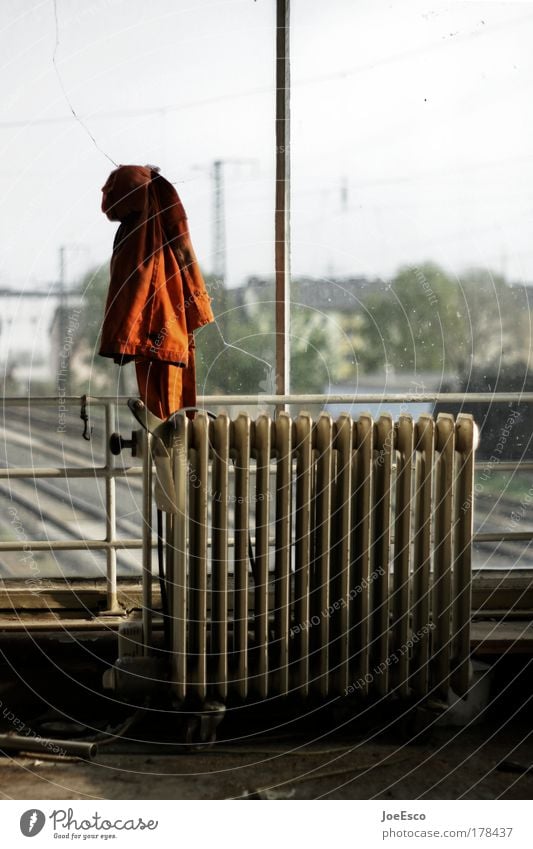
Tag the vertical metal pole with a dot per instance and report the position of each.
(147, 541)
(282, 215)
(111, 513)
(219, 223)
(62, 324)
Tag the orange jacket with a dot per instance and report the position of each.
(157, 295)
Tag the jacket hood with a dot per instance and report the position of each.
(126, 191)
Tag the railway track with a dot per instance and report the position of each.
(30, 439)
(62, 508)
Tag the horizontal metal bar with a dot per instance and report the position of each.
(505, 466)
(69, 545)
(344, 398)
(79, 545)
(131, 543)
(504, 536)
(56, 623)
(69, 472)
(369, 398)
(490, 580)
(53, 400)
(136, 471)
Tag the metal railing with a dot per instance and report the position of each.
(109, 472)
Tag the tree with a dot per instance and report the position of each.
(236, 355)
(497, 318)
(92, 373)
(415, 323)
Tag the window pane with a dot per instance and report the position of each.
(411, 222)
(177, 84)
(188, 87)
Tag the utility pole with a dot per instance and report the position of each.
(62, 318)
(344, 195)
(63, 326)
(219, 248)
(219, 222)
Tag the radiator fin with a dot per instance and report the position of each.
(362, 534)
(381, 547)
(241, 440)
(263, 442)
(443, 559)
(220, 434)
(302, 554)
(198, 553)
(282, 562)
(320, 563)
(400, 601)
(341, 556)
(423, 527)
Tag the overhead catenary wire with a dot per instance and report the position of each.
(333, 76)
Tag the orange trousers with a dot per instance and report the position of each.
(165, 387)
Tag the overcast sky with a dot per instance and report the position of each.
(411, 130)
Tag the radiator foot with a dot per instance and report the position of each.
(132, 678)
(201, 727)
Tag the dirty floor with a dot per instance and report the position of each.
(444, 763)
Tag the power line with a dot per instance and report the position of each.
(208, 101)
(132, 113)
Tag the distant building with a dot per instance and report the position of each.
(24, 337)
(324, 293)
(34, 330)
(63, 335)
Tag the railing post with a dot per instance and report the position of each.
(110, 515)
(147, 540)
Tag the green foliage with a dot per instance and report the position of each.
(498, 320)
(93, 289)
(349, 348)
(423, 320)
(428, 320)
(94, 373)
(413, 324)
(237, 354)
(315, 350)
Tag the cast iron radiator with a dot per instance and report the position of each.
(314, 557)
